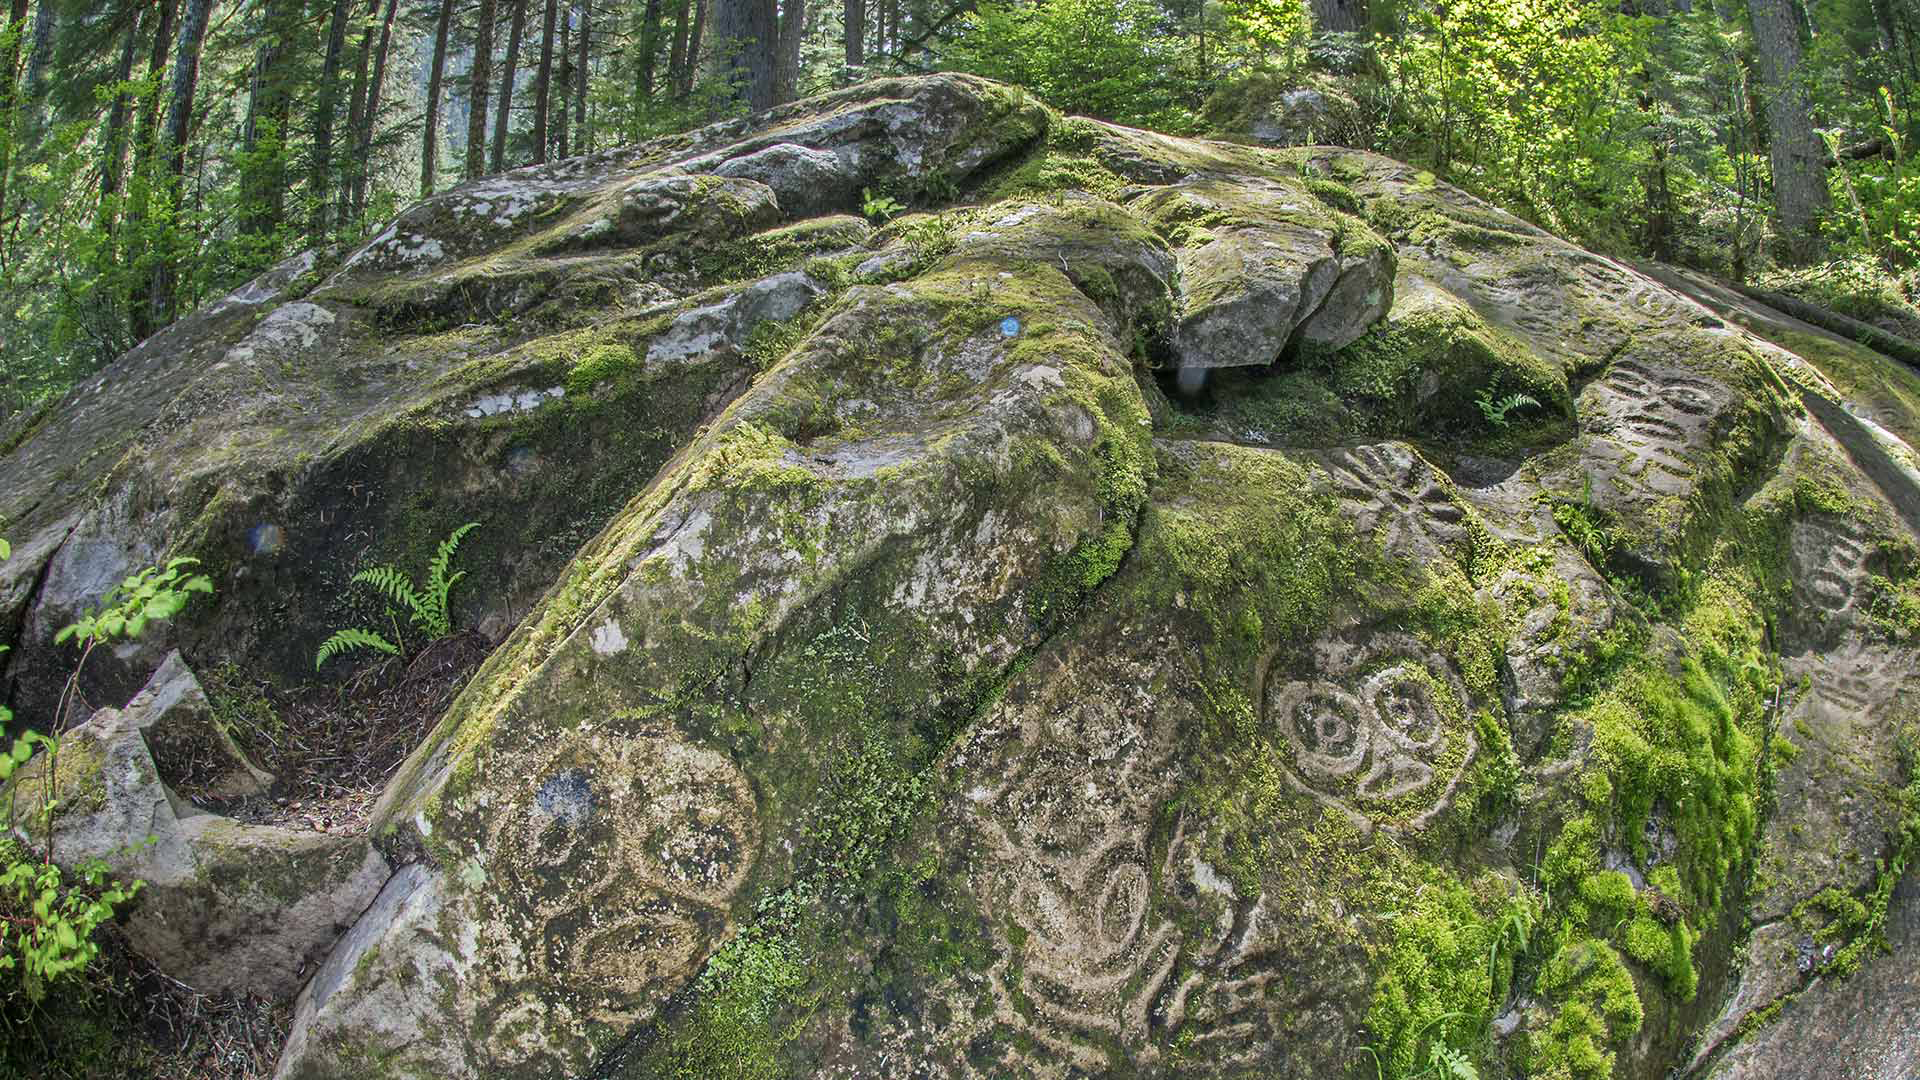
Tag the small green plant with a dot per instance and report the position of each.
(939, 187)
(1496, 410)
(1583, 523)
(928, 238)
(1444, 1060)
(53, 916)
(879, 208)
(155, 594)
(50, 914)
(426, 605)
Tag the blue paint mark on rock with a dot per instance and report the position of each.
(266, 538)
(567, 797)
(522, 460)
(1010, 327)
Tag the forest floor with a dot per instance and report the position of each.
(333, 751)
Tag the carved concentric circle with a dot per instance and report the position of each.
(613, 861)
(1379, 729)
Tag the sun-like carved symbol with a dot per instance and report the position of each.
(1397, 499)
(1378, 730)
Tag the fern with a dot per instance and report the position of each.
(393, 586)
(342, 640)
(1496, 410)
(1450, 1064)
(439, 584)
(426, 606)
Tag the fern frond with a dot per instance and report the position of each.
(442, 559)
(342, 640)
(433, 609)
(392, 585)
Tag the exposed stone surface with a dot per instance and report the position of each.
(191, 750)
(1264, 266)
(226, 907)
(1159, 607)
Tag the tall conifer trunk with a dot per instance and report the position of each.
(503, 115)
(1793, 147)
(436, 77)
(543, 83)
(478, 78)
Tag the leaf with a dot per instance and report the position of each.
(433, 615)
(343, 640)
(391, 584)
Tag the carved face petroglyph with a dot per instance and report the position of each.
(1379, 730)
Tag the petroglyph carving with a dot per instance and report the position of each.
(1379, 730)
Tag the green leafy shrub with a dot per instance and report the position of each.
(879, 207)
(426, 605)
(50, 913)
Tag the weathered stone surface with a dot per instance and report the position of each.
(277, 443)
(729, 323)
(193, 753)
(1497, 648)
(1264, 266)
(226, 907)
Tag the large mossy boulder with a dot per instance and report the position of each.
(1158, 608)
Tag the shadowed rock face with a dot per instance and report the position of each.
(907, 676)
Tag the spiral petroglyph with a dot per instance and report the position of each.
(623, 851)
(1378, 729)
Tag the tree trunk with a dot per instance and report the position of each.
(142, 177)
(646, 70)
(505, 111)
(478, 79)
(582, 73)
(159, 308)
(543, 82)
(694, 35)
(1339, 16)
(746, 46)
(320, 171)
(113, 148)
(436, 75)
(9, 92)
(1793, 148)
(263, 168)
(793, 22)
(186, 78)
(356, 108)
(38, 57)
(144, 140)
(363, 156)
(566, 83)
(677, 52)
(855, 17)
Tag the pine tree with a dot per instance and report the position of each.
(511, 69)
(477, 85)
(1798, 157)
(430, 124)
